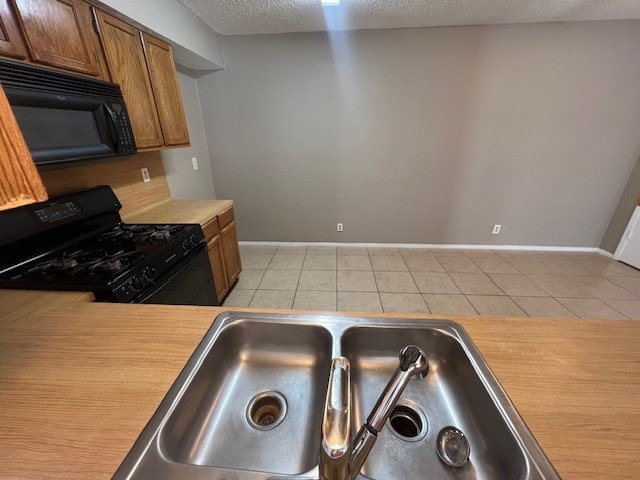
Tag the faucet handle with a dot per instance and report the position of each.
(413, 358)
(335, 447)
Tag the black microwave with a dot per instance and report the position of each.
(66, 117)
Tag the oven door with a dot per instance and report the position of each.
(189, 282)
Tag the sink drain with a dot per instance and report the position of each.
(453, 447)
(407, 421)
(266, 410)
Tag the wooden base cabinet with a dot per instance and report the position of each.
(231, 251)
(224, 254)
(216, 257)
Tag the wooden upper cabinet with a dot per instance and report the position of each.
(72, 35)
(20, 182)
(166, 89)
(11, 43)
(57, 35)
(123, 49)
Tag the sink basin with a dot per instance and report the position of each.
(451, 394)
(248, 404)
(257, 374)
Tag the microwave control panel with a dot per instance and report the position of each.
(126, 141)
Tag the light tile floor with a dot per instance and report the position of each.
(438, 281)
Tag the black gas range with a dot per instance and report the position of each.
(79, 242)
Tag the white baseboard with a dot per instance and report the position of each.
(540, 248)
(605, 253)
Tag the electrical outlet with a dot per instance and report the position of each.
(145, 175)
(339, 227)
(496, 229)
(194, 160)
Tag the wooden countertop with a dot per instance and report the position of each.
(79, 380)
(180, 211)
(18, 304)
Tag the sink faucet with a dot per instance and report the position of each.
(340, 457)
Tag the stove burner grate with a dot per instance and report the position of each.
(78, 261)
(140, 234)
(116, 262)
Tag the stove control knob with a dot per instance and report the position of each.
(149, 273)
(195, 241)
(186, 245)
(136, 284)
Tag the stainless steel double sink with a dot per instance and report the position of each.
(248, 404)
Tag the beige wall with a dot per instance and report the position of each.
(427, 135)
(184, 181)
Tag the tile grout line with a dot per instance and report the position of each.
(546, 294)
(568, 308)
(499, 288)
(413, 279)
(336, 278)
(416, 284)
(501, 296)
(636, 297)
(626, 289)
(375, 279)
(258, 286)
(472, 305)
(611, 306)
(265, 272)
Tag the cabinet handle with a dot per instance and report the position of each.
(94, 21)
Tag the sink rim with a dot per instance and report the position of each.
(148, 448)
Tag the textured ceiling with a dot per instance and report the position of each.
(235, 17)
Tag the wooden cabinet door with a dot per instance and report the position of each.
(20, 182)
(11, 43)
(166, 89)
(56, 34)
(216, 259)
(125, 58)
(231, 252)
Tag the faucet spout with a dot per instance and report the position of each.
(341, 466)
(335, 448)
